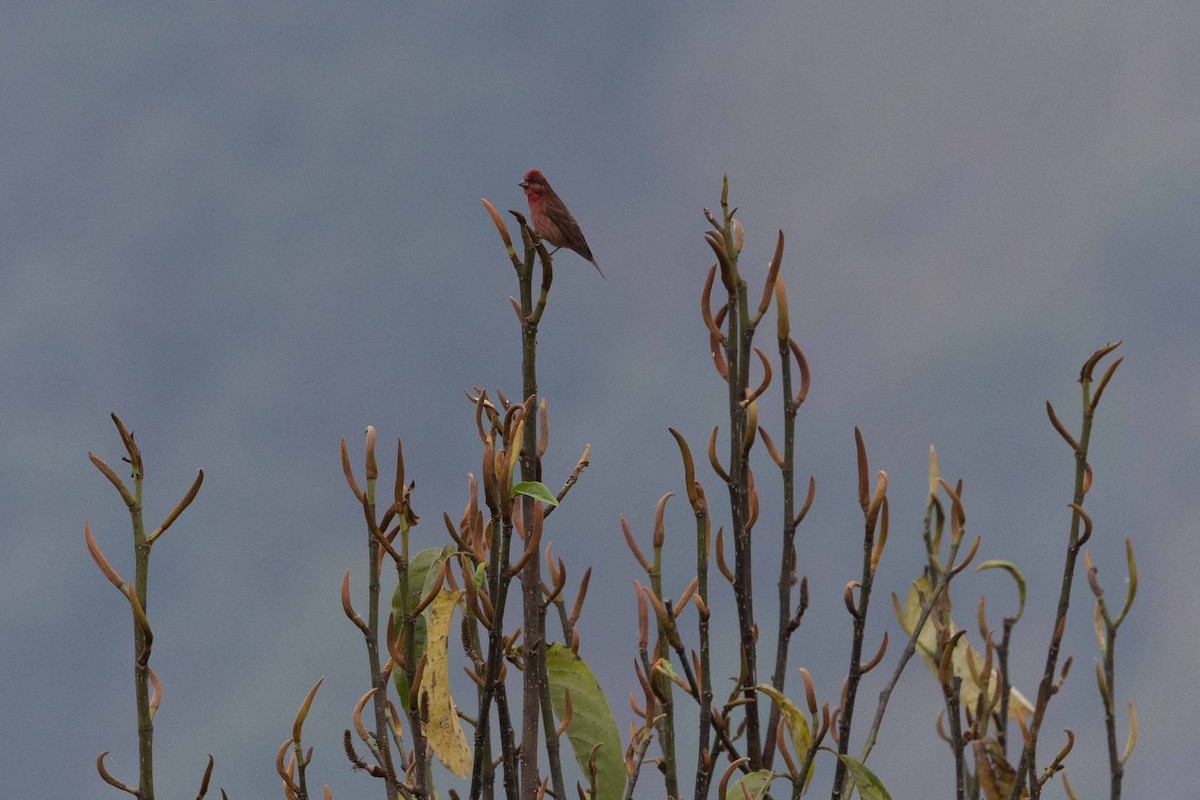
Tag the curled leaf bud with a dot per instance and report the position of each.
(660, 532)
(870, 665)
(156, 692)
(372, 467)
(501, 228)
(543, 429)
(877, 499)
(302, 714)
(643, 615)
(783, 323)
(772, 276)
(864, 481)
(810, 694)
(712, 457)
(689, 469)
(848, 598)
(1085, 374)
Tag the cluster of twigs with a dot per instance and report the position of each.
(514, 437)
(414, 721)
(977, 689)
(749, 746)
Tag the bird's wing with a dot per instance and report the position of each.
(572, 237)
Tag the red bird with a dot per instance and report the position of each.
(551, 219)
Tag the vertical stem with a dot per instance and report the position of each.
(787, 564)
(301, 769)
(1045, 688)
(1005, 686)
(377, 680)
(737, 350)
(552, 753)
(855, 673)
(141, 664)
(662, 685)
(408, 621)
(474, 648)
(508, 746)
(703, 772)
(492, 687)
(531, 579)
(1116, 769)
(941, 584)
(956, 737)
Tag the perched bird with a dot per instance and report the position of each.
(551, 219)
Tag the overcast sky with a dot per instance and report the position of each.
(253, 229)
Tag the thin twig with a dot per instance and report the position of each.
(1026, 765)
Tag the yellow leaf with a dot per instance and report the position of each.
(443, 730)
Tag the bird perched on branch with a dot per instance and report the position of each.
(551, 219)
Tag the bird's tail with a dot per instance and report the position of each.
(597, 266)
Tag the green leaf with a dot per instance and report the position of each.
(536, 490)
(868, 785)
(756, 785)
(591, 723)
(666, 669)
(401, 682)
(431, 574)
(480, 575)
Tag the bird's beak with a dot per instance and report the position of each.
(523, 184)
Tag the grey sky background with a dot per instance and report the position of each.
(253, 229)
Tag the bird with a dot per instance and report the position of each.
(551, 219)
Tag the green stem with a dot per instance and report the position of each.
(662, 685)
(141, 668)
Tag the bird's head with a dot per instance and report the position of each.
(534, 183)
